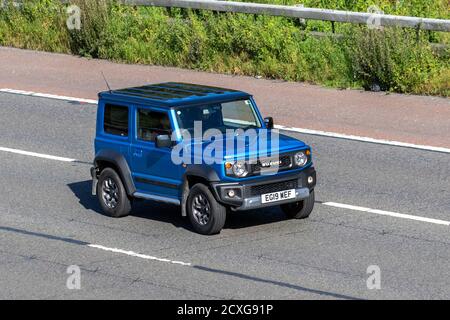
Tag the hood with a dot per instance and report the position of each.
(263, 143)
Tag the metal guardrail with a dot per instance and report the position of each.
(300, 12)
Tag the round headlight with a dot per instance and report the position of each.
(301, 159)
(240, 169)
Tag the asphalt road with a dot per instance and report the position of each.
(49, 221)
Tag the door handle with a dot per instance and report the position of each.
(137, 153)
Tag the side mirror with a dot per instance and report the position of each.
(269, 122)
(163, 141)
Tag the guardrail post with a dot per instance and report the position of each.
(302, 21)
(430, 36)
(418, 32)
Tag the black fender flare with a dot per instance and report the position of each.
(119, 161)
(201, 171)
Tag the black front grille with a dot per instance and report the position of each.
(273, 187)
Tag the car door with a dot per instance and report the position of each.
(153, 170)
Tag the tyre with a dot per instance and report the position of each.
(112, 194)
(207, 216)
(301, 209)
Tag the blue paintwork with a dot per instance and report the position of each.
(151, 163)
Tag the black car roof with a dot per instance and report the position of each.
(173, 94)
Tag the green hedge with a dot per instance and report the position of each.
(397, 60)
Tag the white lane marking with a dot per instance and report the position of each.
(37, 155)
(49, 96)
(386, 213)
(137, 255)
(363, 139)
(280, 127)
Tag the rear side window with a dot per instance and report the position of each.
(116, 120)
(150, 124)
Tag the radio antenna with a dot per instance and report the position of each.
(107, 84)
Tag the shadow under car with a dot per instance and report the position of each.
(171, 214)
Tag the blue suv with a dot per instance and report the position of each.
(205, 149)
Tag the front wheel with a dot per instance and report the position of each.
(207, 216)
(112, 194)
(301, 209)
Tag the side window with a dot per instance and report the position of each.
(151, 124)
(116, 120)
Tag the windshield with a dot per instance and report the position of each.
(235, 115)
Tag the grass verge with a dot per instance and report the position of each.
(397, 60)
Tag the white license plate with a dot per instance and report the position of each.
(278, 196)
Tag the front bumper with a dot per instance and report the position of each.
(248, 194)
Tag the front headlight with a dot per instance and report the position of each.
(240, 169)
(301, 159)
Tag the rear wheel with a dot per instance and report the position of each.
(301, 209)
(207, 216)
(112, 194)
